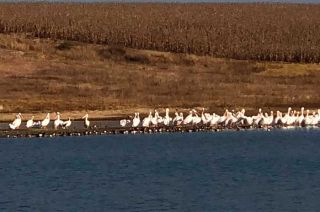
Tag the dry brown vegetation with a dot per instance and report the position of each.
(270, 32)
(37, 75)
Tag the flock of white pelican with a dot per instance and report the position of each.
(230, 119)
(57, 123)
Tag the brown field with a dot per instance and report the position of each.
(38, 76)
(265, 32)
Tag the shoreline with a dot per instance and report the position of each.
(31, 133)
(50, 133)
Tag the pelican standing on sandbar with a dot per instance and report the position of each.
(58, 122)
(45, 121)
(188, 119)
(66, 124)
(178, 119)
(167, 119)
(124, 122)
(136, 120)
(30, 122)
(16, 123)
(147, 120)
(86, 121)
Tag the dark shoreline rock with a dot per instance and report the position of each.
(48, 133)
(30, 133)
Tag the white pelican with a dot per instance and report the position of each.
(214, 120)
(16, 123)
(30, 122)
(234, 119)
(258, 118)
(196, 119)
(175, 119)
(266, 120)
(269, 119)
(154, 120)
(230, 119)
(147, 120)
(45, 121)
(167, 118)
(291, 119)
(188, 119)
(315, 119)
(301, 117)
(247, 120)
(58, 122)
(223, 118)
(205, 117)
(67, 124)
(308, 119)
(159, 118)
(178, 119)
(240, 116)
(208, 116)
(286, 118)
(278, 118)
(124, 122)
(86, 121)
(136, 120)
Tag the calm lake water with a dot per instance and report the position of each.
(224, 171)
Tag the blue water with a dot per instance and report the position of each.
(222, 171)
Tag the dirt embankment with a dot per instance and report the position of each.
(40, 75)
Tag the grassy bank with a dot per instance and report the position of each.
(41, 75)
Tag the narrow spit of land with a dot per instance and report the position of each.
(31, 133)
(101, 127)
(115, 130)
